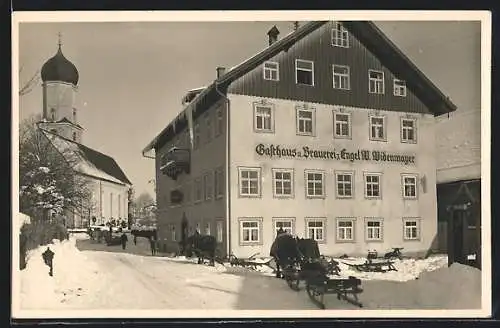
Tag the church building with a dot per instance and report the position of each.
(327, 133)
(60, 126)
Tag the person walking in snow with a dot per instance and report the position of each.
(124, 240)
(152, 242)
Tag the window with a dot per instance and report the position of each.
(110, 204)
(341, 77)
(196, 136)
(220, 231)
(219, 183)
(249, 179)
(345, 184)
(208, 126)
(315, 229)
(250, 231)
(172, 232)
(198, 190)
(340, 36)
(283, 182)
(53, 114)
(284, 223)
(207, 229)
(411, 229)
(74, 136)
(263, 118)
(342, 125)
(208, 186)
(376, 82)
(198, 227)
(119, 206)
(74, 115)
(345, 229)
(219, 122)
(399, 88)
(271, 71)
(315, 184)
(305, 121)
(377, 128)
(373, 229)
(53, 130)
(304, 72)
(408, 130)
(372, 185)
(409, 182)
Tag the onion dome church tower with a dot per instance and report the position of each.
(59, 87)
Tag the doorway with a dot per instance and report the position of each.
(456, 237)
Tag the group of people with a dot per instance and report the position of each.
(153, 242)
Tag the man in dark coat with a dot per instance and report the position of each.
(124, 240)
(152, 242)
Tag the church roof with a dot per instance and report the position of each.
(58, 68)
(88, 161)
(65, 120)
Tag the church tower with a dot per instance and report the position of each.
(59, 87)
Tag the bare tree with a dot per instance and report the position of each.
(28, 86)
(47, 178)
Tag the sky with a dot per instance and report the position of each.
(133, 75)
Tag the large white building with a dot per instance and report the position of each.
(59, 125)
(328, 133)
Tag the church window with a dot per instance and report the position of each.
(74, 136)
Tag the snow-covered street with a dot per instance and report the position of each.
(102, 277)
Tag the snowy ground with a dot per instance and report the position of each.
(102, 277)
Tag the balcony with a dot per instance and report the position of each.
(175, 162)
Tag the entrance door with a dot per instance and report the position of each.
(456, 238)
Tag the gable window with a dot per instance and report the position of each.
(305, 121)
(345, 184)
(196, 136)
(219, 122)
(372, 185)
(263, 118)
(340, 36)
(377, 128)
(249, 181)
(376, 82)
(408, 130)
(373, 229)
(208, 126)
(286, 224)
(283, 182)
(198, 190)
(411, 229)
(342, 125)
(341, 77)
(207, 184)
(207, 229)
(315, 229)
(409, 182)
(304, 72)
(345, 229)
(271, 71)
(250, 230)
(399, 88)
(219, 182)
(315, 186)
(220, 231)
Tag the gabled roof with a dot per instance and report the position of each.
(88, 161)
(65, 120)
(367, 33)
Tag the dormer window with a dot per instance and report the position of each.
(304, 72)
(271, 71)
(340, 36)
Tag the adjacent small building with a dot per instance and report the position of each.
(59, 125)
(328, 133)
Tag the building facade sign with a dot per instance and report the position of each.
(305, 152)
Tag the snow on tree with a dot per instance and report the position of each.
(47, 179)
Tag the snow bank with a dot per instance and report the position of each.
(73, 275)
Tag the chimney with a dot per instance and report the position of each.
(220, 71)
(273, 35)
